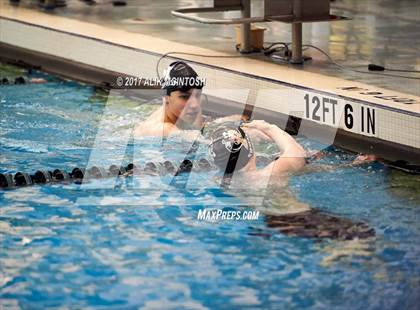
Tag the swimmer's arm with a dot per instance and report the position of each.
(293, 155)
(361, 159)
(257, 135)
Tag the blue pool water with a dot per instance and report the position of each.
(136, 242)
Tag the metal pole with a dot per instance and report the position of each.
(246, 27)
(297, 43)
(297, 57)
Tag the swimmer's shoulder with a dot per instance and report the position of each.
(153, 125)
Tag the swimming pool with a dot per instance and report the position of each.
(138, 243)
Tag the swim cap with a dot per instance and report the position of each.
(180, 76)
(228, 149)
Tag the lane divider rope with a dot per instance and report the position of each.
(79, 175)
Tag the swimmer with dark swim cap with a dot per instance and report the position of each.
(180, 77)
(181, 108)
(232, 150)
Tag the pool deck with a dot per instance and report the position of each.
(379, 31)
(359, 109)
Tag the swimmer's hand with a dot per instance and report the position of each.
(365, 158)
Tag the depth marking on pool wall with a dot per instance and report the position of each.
(354, 117)
(321, 109)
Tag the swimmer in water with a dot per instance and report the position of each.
(181, 108)
(232, 150)
(233, 153)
